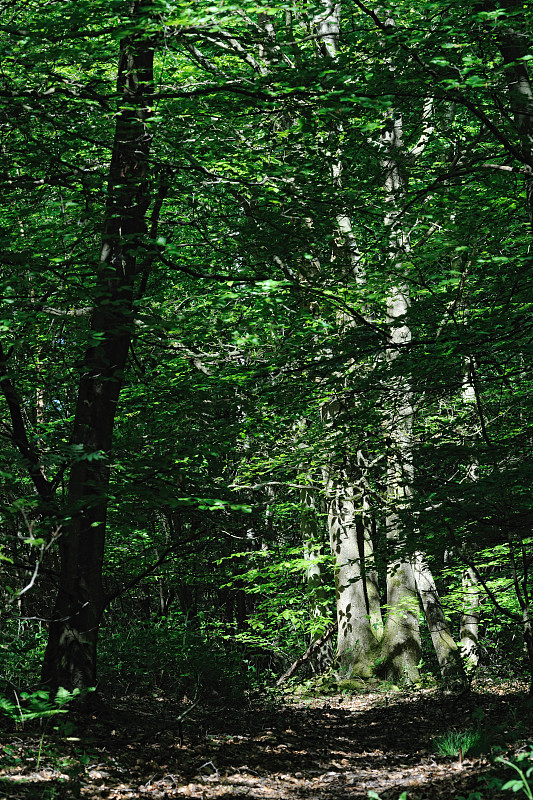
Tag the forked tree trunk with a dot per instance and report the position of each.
(70, 657)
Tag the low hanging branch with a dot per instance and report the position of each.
(309, 652)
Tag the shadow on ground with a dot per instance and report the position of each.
(333, 749)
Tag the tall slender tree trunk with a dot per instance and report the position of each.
(471, 611)
(469, 626)
(448, 656)
(70, 657)
(402, 651)
(359, 621)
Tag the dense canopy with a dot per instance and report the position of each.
(265, 329)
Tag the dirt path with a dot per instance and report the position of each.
(331, 749)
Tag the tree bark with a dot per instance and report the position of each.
(401, 650)
(448, 656)
(357, 642)
(70, 657)
(401, 644)
(469, 630)
(359, 621)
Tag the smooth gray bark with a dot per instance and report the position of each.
(469, 630)
(448, 655)
(401, 644)
(357, 643)
(370, 575)
(401, 652)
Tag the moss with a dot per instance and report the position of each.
(330, 684)
(351, 685)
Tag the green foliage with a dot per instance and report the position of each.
(249, 318)
(471, 796)
(21, 654)
(181, 655)
(37, 705)
(522, 764)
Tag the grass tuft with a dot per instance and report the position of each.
(459, 743)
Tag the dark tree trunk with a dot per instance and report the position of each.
(70, 658)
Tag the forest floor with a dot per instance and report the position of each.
(334, 748)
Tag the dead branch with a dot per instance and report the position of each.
(309, 652)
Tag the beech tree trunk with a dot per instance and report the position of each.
(401, 651)
(70, 657)
(469, 630)
(448, 656)
(368, 568)
(357, 643)
(401, 644)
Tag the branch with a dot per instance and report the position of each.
(38, 562)
(382, 332)
(233, 46)
(427, 130)
(256, 486)
(20, 435)
(232, 86)
(146, 267)
(475, 385)
(520, 155)
(453, 93)
(214, 276)
(202, 60)
(72, 312)
(309, 652)
(110, 596)
(490, 593)
(505, 168)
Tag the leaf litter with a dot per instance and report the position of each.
(333, 748)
